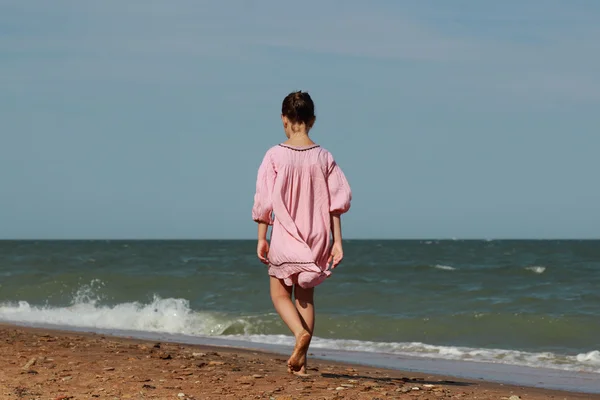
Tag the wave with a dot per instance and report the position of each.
(175, 316)
(588, 362)
(536, 269)
(506, 270)
(159, 315)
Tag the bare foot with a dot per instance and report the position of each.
(303, 368)
(298, 357)
(302, 372)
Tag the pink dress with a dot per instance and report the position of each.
(302, 187)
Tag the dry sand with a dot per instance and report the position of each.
(53, 365)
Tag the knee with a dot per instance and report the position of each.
(280, 295)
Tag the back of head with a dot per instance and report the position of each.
(299, 108)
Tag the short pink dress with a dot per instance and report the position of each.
(302, 187)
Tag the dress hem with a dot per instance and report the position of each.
(289, 271)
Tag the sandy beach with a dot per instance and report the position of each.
(60, 365)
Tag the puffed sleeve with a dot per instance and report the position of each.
(340, 194)
(262, 210)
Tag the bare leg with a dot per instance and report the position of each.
(281, 295)
(305, 304)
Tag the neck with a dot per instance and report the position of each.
(299, 139)
(300, 134)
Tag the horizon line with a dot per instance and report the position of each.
(446, 239)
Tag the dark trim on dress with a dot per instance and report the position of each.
(258, 221)
(296, 149)
(292, 262)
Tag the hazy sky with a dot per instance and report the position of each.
(148, 119)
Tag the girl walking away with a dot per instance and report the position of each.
(301, 192)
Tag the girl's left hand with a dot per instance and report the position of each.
(337, 254)
(262, 251)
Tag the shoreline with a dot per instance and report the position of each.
(42, 362)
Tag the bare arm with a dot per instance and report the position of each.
(337, 253)
(262, 231)
(262, 248)
(336, 228)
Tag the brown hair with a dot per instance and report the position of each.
(299, 108)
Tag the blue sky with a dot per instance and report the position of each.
(148, 119)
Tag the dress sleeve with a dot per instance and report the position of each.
(262, 210)
(340, 194)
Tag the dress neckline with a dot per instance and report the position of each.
(299, 148)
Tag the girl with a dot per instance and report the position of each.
(301, 184)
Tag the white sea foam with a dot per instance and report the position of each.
(445, 267)
(593, 357)
(588, 362)
(536, 269)
(176, 317)
(159, 315)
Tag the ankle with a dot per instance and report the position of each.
(302, 333)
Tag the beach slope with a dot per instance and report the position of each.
(47, 364)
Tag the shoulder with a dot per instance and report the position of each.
(326, 155)
(271, 151)
(273, 156)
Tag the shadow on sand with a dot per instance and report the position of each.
(395, 380)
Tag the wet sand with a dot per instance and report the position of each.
(60, 365)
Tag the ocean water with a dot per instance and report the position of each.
(520, 303)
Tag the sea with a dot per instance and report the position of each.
(513, 311)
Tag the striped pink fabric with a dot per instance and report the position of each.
(302, 187)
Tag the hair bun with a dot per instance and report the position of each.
(298, 107)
